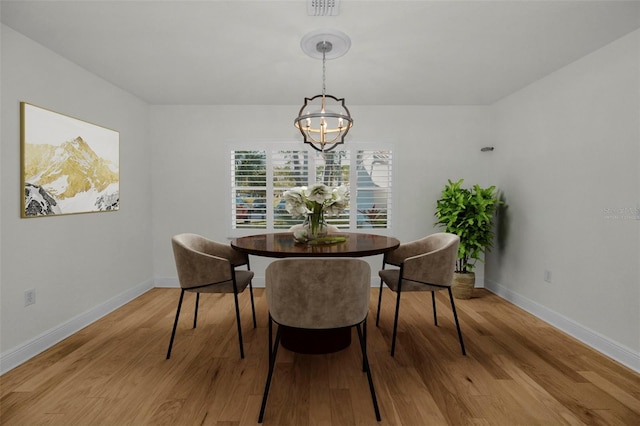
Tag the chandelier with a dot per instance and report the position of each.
(324, 120)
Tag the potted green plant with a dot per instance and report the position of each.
(467, 213)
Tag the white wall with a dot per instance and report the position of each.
(567, 160)
(191, 163)
(77, 263)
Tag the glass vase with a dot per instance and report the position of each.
(315, 225)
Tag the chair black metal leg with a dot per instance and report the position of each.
(455, 316)
(433, 302)
(175, 324)
(195, 315)
(253, 306)
(272, 364)
(363, 347)
(364, 338)
(270, 338)
(235, 297)
(379, 303)
(395, 324)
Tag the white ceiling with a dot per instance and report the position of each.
(248, 52)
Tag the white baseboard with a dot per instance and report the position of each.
(22, 353)
(166, 282)
(595, 340)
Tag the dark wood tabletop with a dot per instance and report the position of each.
(282, 244)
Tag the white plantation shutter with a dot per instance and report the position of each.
(373, 200)
(248, 187)
(290, 169)
(259, 179)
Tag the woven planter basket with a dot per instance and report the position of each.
(463, 284)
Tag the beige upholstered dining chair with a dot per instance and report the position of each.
(314, 293)
(426, 264)
(206, 266)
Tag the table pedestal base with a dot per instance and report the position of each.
(315, 341)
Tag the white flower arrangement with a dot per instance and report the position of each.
(319, 198)
(313, 203)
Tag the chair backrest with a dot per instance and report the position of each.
(200, 261)
(435, 260)
(318, 293)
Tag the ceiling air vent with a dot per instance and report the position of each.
(323, 7)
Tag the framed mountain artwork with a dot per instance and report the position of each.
(68, 166)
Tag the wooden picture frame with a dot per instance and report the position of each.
(67, 166)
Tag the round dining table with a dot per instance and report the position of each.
(282, 245)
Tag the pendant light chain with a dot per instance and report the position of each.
(323, 122)
(324, 68)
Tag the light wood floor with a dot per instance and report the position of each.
(518, 371)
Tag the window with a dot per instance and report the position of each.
(259, 178)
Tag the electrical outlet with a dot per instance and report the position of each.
(29, 297)
(547, 276)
